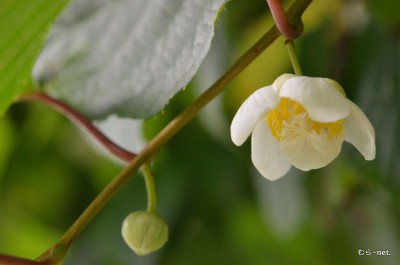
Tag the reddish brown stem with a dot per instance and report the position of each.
(281, 20)
(82, 122)
(9, 260)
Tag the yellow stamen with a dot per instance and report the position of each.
(287, 109)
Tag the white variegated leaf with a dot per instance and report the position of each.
(125, 57)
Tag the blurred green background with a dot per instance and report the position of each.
(219, 210)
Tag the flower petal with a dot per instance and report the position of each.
(266, 155)
(313, 151)
(251, 111)
(280, 81)
(359, 132)
(320, 97)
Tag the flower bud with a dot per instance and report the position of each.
(144, 232)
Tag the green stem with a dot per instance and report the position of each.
(174, 126)
(293, 57)
(150, 188)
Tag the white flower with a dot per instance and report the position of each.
(300, 121)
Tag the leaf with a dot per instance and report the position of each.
(126, 57)
(23, 26)
(125, 132)
(385, 10)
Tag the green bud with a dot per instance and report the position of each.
(144, 232)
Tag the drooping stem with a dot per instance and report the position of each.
(293, 57)
(81, 122)
(174, 126)
(282, 21)
(150, 188)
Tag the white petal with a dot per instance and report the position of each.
(313, 151)
(321, 99)
(359, 132)
(280, 81)
(266, 155)
(251, 111)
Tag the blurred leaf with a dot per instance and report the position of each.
(7, 137)
(385, 10)
(23, 25)
(125, 57)
(25, 236)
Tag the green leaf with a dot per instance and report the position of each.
(385, 10)
(126, 57)
(23, 26)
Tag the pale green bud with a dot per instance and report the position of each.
(144, 232)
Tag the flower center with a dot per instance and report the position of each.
(289, 119)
